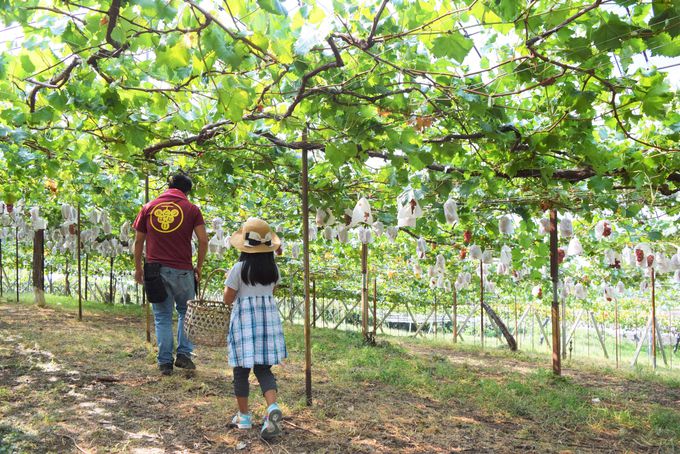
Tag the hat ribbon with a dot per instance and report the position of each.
(251, 242)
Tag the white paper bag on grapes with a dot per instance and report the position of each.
(451, 211)
(392, 233)
(421, 247)
(487, 256)
(505, 225)
(409, 212)
(603, 229)
(378, 228)
(574, 248)
(566, 227)
(475, 252)
(506, 255)
(362, 213)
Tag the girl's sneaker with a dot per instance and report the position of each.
(271, 426)
(242, 420)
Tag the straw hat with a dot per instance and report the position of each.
(254, 237)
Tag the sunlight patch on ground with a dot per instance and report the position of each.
(49, 367)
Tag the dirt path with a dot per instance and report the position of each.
(92, 386)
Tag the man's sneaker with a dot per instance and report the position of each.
(271, 427)
(242, 420)
(166, 369)
(184, 362)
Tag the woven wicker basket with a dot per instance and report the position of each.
(207, 322)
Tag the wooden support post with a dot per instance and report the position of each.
(111, 279)
(653, 319)
(78, 246)
(364, 291)
(67, 283)
(314, 303)
(454, 319)
(481, 302)
(375, 307)
(16, 261)
(554, 274)
(1, 269)
(516, 333)
(305, 244)
(145, 303)
(564, 328)
(39, 267)
(87, 265)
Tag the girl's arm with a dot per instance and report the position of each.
(229, 296)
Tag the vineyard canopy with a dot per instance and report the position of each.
(505, 106)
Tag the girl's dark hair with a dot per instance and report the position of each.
(258, 268)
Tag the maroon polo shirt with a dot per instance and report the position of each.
(169, 223)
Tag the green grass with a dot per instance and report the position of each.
(483, 382)
(537, 396)
(70, 304)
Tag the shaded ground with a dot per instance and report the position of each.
(92, 386)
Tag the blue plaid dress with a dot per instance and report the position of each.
(255, 333)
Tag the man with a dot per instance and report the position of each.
(167, 224)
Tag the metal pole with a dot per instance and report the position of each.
(80, 293)
(375, 307)
(653, 320)
(481, 301)
(554, 271)
(435, 313)
(616, 331)
(670, 331)
(305, 242)
(455, 315)
(16, 249)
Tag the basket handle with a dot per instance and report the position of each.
(207, 278)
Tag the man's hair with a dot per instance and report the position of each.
(180, 181)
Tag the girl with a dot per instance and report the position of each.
(255, 331)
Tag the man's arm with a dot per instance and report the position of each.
(139, 249)
(202, 236)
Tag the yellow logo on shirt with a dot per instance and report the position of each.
(166, 217)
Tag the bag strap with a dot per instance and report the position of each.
(207, 278)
